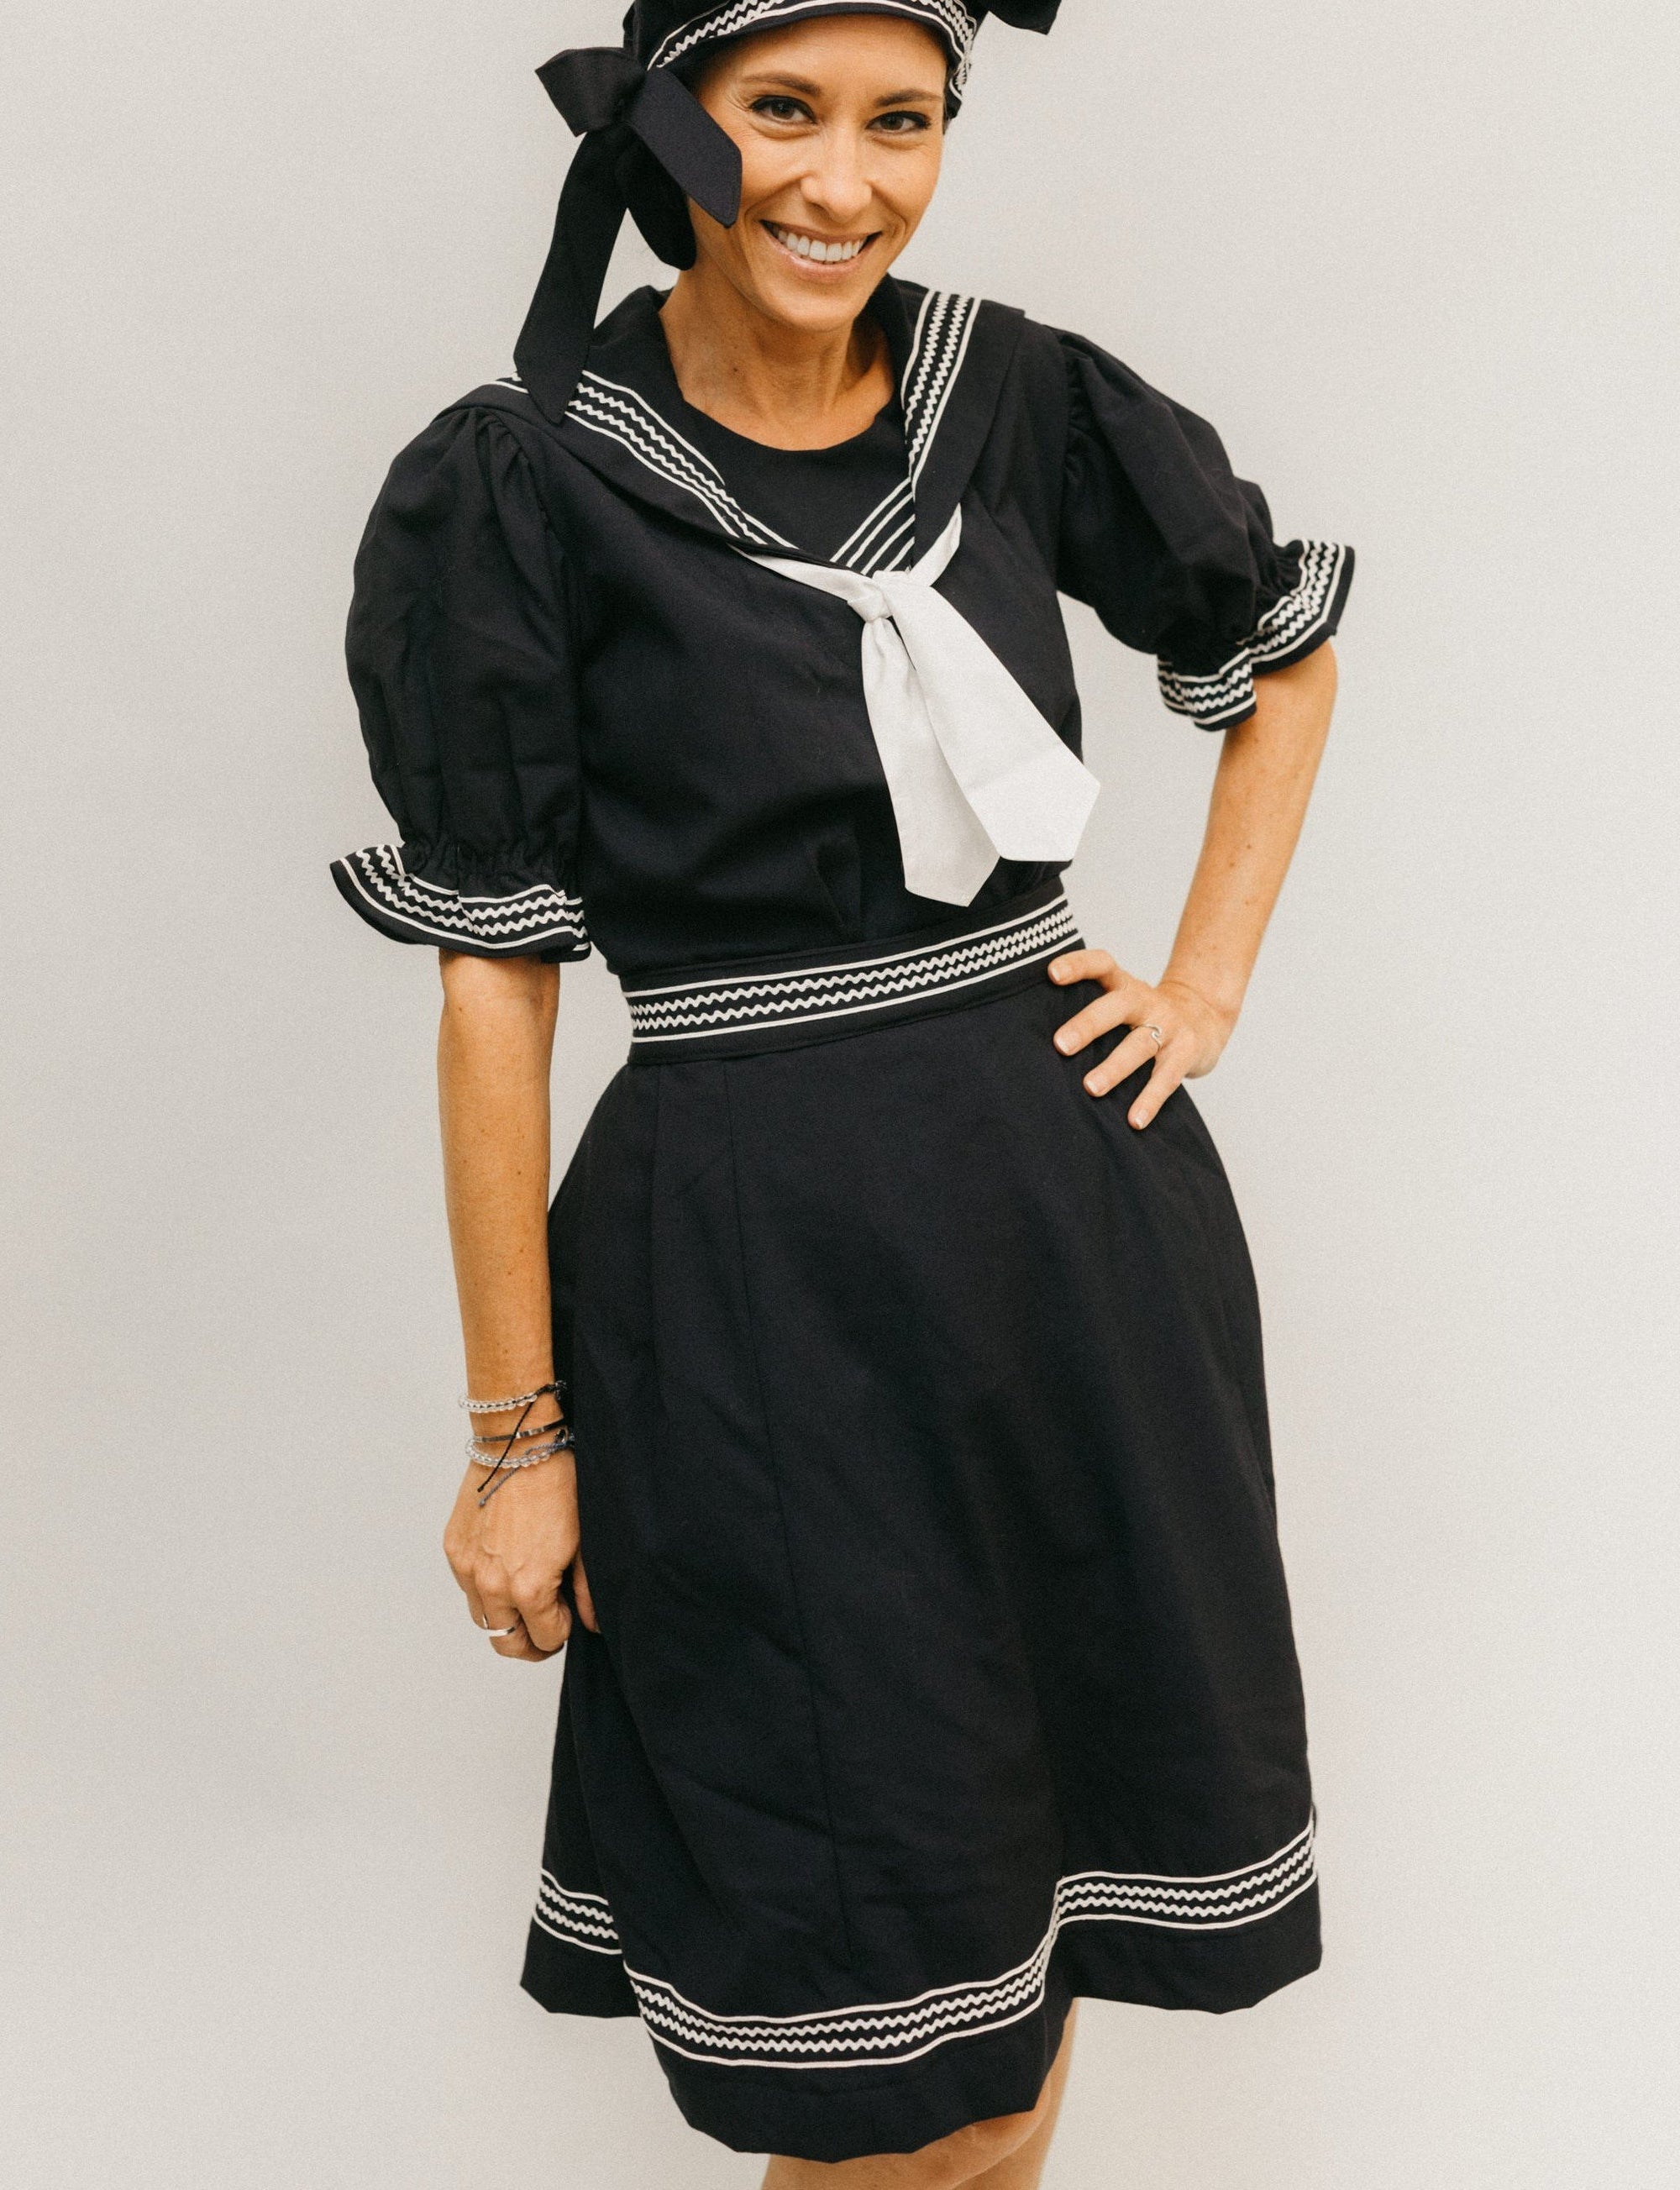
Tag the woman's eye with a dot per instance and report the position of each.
(906, 122)
(782, 109)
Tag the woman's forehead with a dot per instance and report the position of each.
(831, 46)
(669, 33)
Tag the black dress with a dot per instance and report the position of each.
(946, 1671)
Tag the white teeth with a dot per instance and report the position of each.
(807, 246)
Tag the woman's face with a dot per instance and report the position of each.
(840, 126)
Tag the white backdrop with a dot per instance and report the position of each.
(271, 1813)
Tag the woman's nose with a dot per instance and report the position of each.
(838, 188)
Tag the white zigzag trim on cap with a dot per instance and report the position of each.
(902, 2030)
(533, 918)
(688, 1012)
(581, 1920)
(1286, 632)
(957, 25)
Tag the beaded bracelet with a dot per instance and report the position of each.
(503, 1471)
(507, 1406)
(497, 1452)
(515, 1437)
(511, 1462)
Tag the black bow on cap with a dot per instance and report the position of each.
(649, 145)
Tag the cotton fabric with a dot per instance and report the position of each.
(550, 619)
(946, 1671)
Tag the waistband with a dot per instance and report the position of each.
(764, 1004)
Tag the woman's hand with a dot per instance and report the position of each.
(511, 1556)
(1191, 1030)
(1260, 792)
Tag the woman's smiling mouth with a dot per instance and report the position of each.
(815, 250)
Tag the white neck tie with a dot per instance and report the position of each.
(975, 773)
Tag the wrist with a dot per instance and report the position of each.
(1223, 998)
(497, 1428)
(534, 1414)
(489, 1473)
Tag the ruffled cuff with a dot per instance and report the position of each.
(536, 920)
(1292, 629)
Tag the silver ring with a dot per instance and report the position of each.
(500, 1634)
(1149, 1027)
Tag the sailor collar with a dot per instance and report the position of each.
(952, 352)
(974, 770)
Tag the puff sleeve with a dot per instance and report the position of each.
(460, 659)
(1175, 554)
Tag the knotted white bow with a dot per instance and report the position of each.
(975, 772)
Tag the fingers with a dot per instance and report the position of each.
(520, 1646)
(1130, 1056)
(1083, 966)
(1101, 1016)
(1171, 1060)
(1125, 1001)
(547, 1617)
(1162, 1082)
(510, 1554)
(488, 1603)
(585, 1602)
(498, 1616)
(475, 1601)
(526, 1620)
(1108, 1010)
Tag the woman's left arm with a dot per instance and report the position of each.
(1260, 794)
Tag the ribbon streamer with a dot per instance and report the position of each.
(649, 145)
(974, 771)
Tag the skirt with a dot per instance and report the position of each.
(946, 1671)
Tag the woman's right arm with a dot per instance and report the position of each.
(495, 1045)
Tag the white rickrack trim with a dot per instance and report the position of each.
(538, 917)
(887, 538)
(942, 328)
(902, 2030)
(621, 414)
(905, 2030)
(688, 1012)
(581, 1920)
(957, 24)
(1287, 631)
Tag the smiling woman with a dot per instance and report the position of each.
(881, 1419)
(840, 123)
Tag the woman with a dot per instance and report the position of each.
(881, 1414)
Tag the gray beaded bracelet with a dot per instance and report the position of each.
(504, 1470)
(510, 1462)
